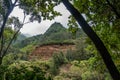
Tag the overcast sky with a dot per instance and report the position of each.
(39, 28)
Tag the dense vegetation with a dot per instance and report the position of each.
(55, 34)
(83, 63)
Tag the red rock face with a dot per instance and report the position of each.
(45, 52)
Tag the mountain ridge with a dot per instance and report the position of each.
(56, 33)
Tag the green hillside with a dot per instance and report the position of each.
(20, 37)
(56, 33)
(81, 63)
(55, 28)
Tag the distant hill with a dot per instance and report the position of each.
(55, 28)
(27, 35)
(56, 33)
(19, 38)
(31, 40)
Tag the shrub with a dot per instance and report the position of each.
(3, 69)
(59, 59)
(24, 70)
(74, 73)
(58, 78)
(70, 55)
(92, 75)
(54, 69)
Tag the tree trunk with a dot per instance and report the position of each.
(0, 60)
(96, 40)
(12, 6)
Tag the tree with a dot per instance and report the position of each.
(37, 9)
(25, 70)
(96, 40)
(43, 9)
(104, 18)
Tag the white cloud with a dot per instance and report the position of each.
(39, 28)
(36, 28)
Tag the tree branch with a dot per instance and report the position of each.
(2, 45)
(10, 2)
(6, 18)
(4, 53)
(96, 40)
(15, 2)
(17, 5)
(113, 8)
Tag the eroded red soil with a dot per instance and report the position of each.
(45, 52)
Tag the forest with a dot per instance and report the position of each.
(89, 49)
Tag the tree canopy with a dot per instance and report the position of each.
(101, 19)
(37, 9)
(81, 5)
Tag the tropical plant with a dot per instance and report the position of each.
(91, 34)
(38, 10)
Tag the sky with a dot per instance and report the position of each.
(36, 28)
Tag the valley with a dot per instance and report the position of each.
(59, 54)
